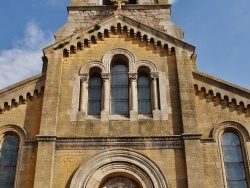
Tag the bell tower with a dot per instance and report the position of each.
(84, 14)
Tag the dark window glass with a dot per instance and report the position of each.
(95, 94)
(119, 88)
(8, 160)
(233, 160)
(144, 97)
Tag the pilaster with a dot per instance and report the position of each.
(191, 136)
(46, 138)
(45, 160)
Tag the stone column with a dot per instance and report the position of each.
(83, 90)
(133, 97)
(155, 100)
(105, 99)
(154, 77)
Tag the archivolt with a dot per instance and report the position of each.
(146, 63)
(107, 58)
(230, 125)
(14, 129)
(85, 70)
(117, 161)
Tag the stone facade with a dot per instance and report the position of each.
(177, 145)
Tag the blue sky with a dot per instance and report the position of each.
(218, 28)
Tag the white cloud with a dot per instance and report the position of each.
(24, 59)
(172, 1)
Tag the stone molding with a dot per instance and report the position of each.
(46, 138)
(188, 136)
(115, 161)
(14, 129)
(168, 142)
(80, 7)
(220, 84)
(230, 125)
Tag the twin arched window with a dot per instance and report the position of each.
(119, 90)
(9, 147)
(233, 160)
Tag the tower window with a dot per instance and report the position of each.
(119, 87)
(144, 97)
(95, 93)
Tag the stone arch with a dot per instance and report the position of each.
(85, 69)
(146, 63)
(107, 58)
(230, 125)
(21, 134)
(115, 162)
(13, 129)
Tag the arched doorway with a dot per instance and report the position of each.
(119, 167)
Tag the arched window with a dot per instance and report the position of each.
(95, 93)
(119, 88)
(9, 147)
(233, 160)
(144, 97)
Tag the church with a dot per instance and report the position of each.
(120, 103)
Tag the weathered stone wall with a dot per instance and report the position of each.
(170, 162)
(26, 116)
(146, 127)
(210, 114)
(155, 17)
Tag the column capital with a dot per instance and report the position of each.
(83, 77)
(132, 76)
(105, 76)
(154, 75)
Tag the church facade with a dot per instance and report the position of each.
(120, 103)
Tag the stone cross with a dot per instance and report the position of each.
(119, 3)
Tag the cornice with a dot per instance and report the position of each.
(74, 7)
(133, 24)
(190, 136)
(213, 81)
(169, 142)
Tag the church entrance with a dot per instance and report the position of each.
(119, 168)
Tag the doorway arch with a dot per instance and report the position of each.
(114, 163)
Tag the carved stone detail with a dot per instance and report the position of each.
(120, 182)
(154, 75)
(105, 76)
(127, 142)
(132, 76)
(187, 136)
(46, 138)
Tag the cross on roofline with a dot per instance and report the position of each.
(119, 3)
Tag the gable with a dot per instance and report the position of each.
(120, 24)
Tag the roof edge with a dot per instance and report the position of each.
(221, 83)
(136, 24)
(23, 82)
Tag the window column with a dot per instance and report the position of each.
(155, 96)
(106, 92)
(154, 76)
(83, 90)
(133, 96)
